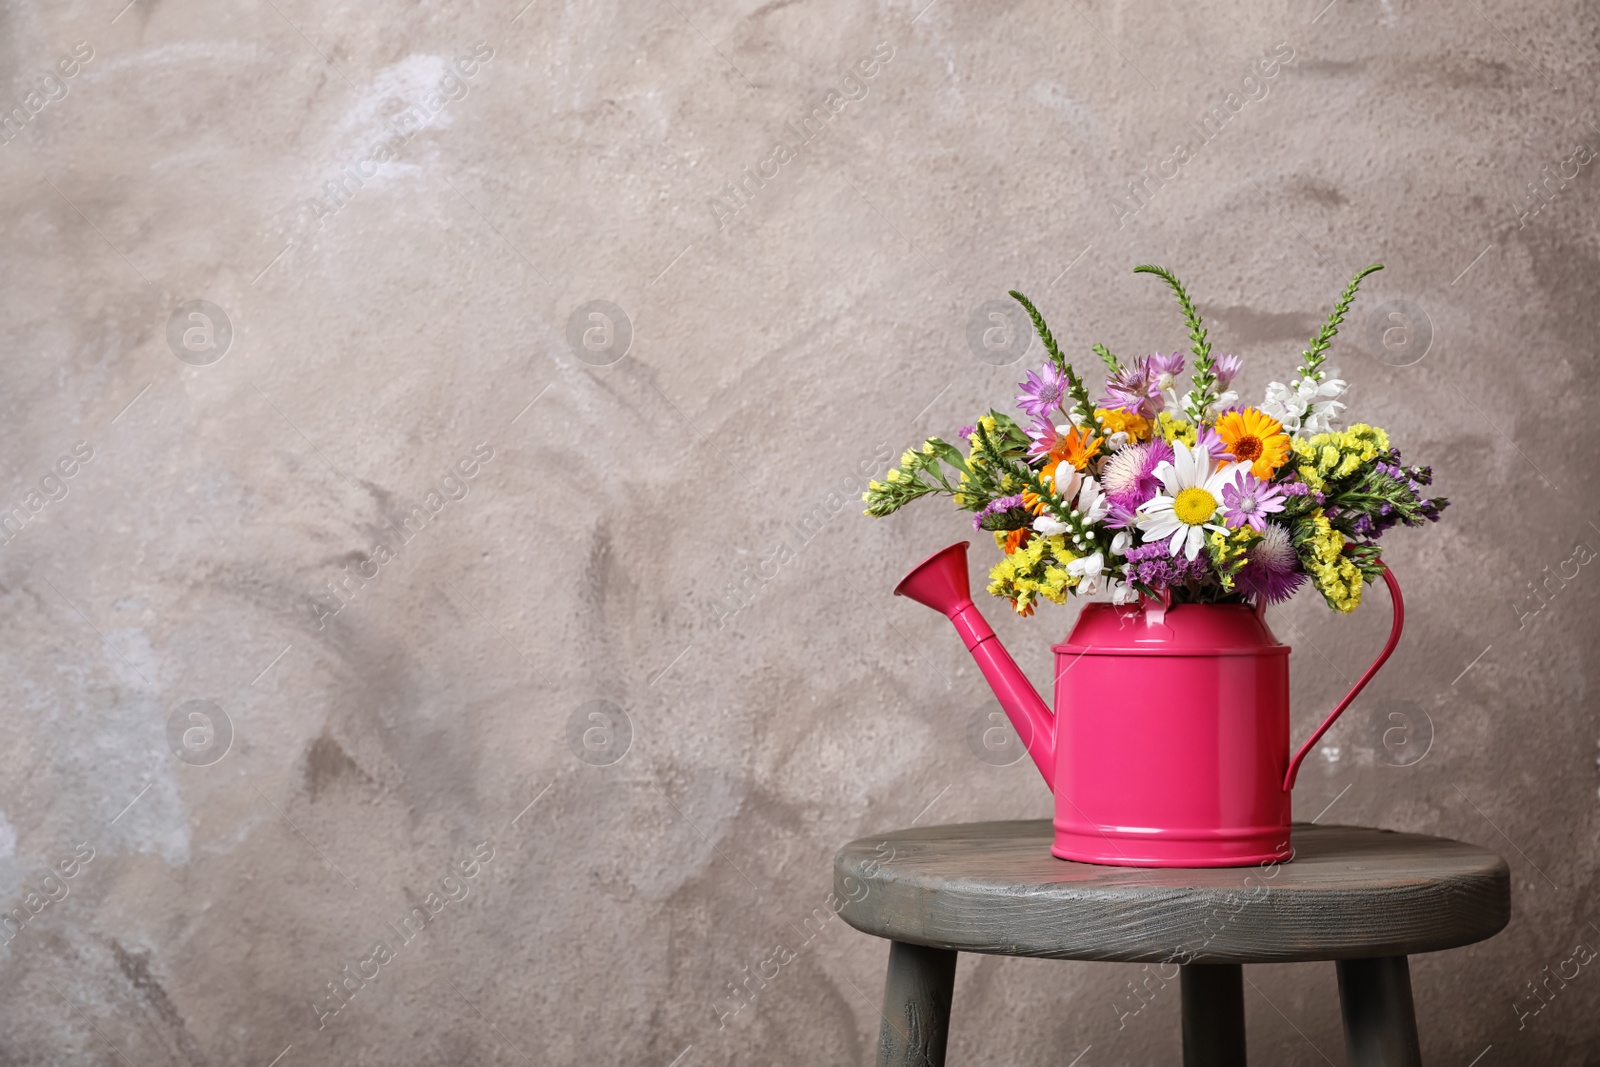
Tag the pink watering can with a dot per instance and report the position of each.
(1169, 745)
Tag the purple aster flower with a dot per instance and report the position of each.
(1138, 386)
(1129, 389)
(1120, 517)
(1042, 392)
(1226, 370)
(1247, 501)
(1129, 476)
(996, 507)
(1272, 570)
(1211, 441)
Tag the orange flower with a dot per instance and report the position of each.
(1031, 501)
(1016, 539)
(1256, 438)
(1115, 420)
(1076, 448)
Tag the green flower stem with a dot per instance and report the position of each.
(1203, 378)
(1085, 538)
(1311, 358)
(1082, 407)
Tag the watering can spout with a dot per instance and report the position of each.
(940, 582)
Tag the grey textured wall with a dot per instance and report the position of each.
(395, 249)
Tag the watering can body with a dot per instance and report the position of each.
(1168, 745)
(1171, 738)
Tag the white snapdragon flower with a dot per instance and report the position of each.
(1048, 527)
(1092, 503)
(1307, 406)
(1088, 570)
(1090, 507)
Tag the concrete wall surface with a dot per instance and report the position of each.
(428, 477)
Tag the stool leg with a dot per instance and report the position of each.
(1380, 1023)
(916, 1006)
(1213, 1014)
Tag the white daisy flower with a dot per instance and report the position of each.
(1191, 493)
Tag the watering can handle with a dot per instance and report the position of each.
(1399, 605)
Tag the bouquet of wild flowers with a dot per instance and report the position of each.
(1197, 497)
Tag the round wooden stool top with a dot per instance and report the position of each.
(1350, 892)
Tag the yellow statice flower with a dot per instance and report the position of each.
(961, 498)
(1334, 574)
(1331, 456)
(1227, 550)
(1172, 429)
(1056, 583)
(1036, 569)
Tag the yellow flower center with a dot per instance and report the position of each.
(1193, 506)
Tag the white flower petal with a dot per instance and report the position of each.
(1167, 475)
(1160, 525)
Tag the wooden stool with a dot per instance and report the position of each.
(1365, 898)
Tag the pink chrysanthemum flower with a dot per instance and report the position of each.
(1164, 370)
(1226, 369)
(1144, 385)
(1129, 476)
(1044, 436)
(1247, 501)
